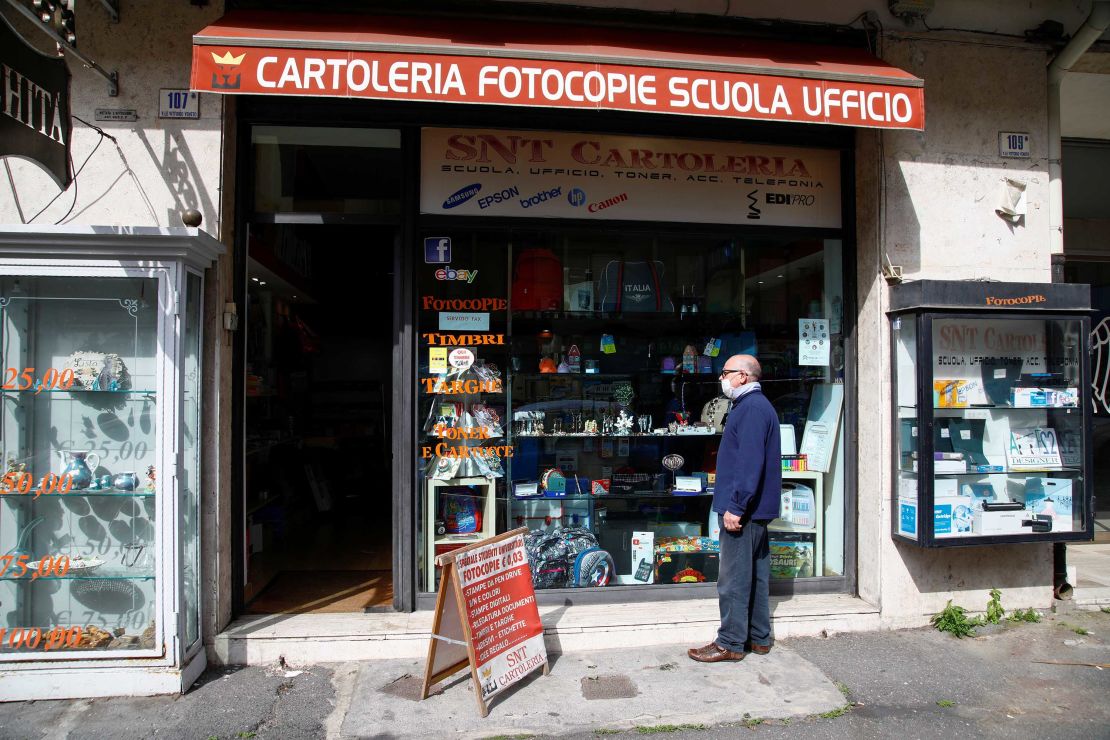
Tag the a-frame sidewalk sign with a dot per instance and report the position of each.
(486, 618)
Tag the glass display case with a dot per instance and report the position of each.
(100, 339)
(991, 413)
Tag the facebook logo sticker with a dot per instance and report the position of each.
(437, 250)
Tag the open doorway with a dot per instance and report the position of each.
(317, 468)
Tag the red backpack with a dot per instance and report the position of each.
(538, 281)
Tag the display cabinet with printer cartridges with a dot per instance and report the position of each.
(100, 337)
(991, 413)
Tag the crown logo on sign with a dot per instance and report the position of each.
(486, 671)
(228, 59)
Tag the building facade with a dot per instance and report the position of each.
(393, 363)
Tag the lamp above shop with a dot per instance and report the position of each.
(58, 20)
(59, 15)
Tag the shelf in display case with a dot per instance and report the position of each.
(615, 496)
(613, 376)
(55, 392)
(76, 494)
(1002, 407)
(617, 436)
(102, 573)
(1031, 471)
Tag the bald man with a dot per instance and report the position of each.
(746, 498)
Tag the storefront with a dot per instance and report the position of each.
(482, 273)
(562, 282)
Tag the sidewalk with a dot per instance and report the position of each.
(914, 683)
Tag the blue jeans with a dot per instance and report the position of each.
(744, 587)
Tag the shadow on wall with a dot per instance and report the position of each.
(948, 571)
(181, 175)
(899, 227)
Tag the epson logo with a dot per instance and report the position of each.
(541, 197)
(461, 196)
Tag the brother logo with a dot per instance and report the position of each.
(541, 197)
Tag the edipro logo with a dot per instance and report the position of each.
(462, 195)
(576, 197)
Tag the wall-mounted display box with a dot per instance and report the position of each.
(100, 403)
(991, 412)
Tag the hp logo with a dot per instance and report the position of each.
(576, 197)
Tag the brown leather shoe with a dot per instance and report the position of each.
(713, 653)
(760, 649)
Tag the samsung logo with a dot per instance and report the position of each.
(461, 196)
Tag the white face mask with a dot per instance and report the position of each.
(727, 389)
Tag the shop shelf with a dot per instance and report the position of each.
(75, 494)
(103, 573)
(76, 393)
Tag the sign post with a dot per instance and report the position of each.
(486, 618)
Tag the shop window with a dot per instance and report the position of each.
(295, 170)
(568, 383)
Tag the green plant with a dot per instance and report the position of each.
(953, 619)
(245, 733)
(606, 731)
(753, 722)
(834, 713)
(843, 688)
(1104, 609)
(995, 612)
(1024, 615)
(656, 729)
(946, 703)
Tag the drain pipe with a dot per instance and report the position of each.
(1088, 33)
(1096, 24)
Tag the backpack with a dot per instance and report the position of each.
(537, 281)
(592, 567)
(634, 287)
(552, 555)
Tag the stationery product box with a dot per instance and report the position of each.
(946, 487)
(618, 537)
(1032, 398)
(687, 567)
(999, 522)
(958, 394)
(792, 554)
(1052, 496)
(952, 516)
(643, 557)
(907, 517)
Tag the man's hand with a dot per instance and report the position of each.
(731, 522)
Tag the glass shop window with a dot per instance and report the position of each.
(570, 384)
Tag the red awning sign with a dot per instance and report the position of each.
(299, 56)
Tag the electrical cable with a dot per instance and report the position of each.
(1021, 36)
(103, 135)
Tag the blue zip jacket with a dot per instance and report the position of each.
(749, 461)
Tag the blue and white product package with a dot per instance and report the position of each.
(952, 516)
(714, 527)
(1052, 496)
(797, 505)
